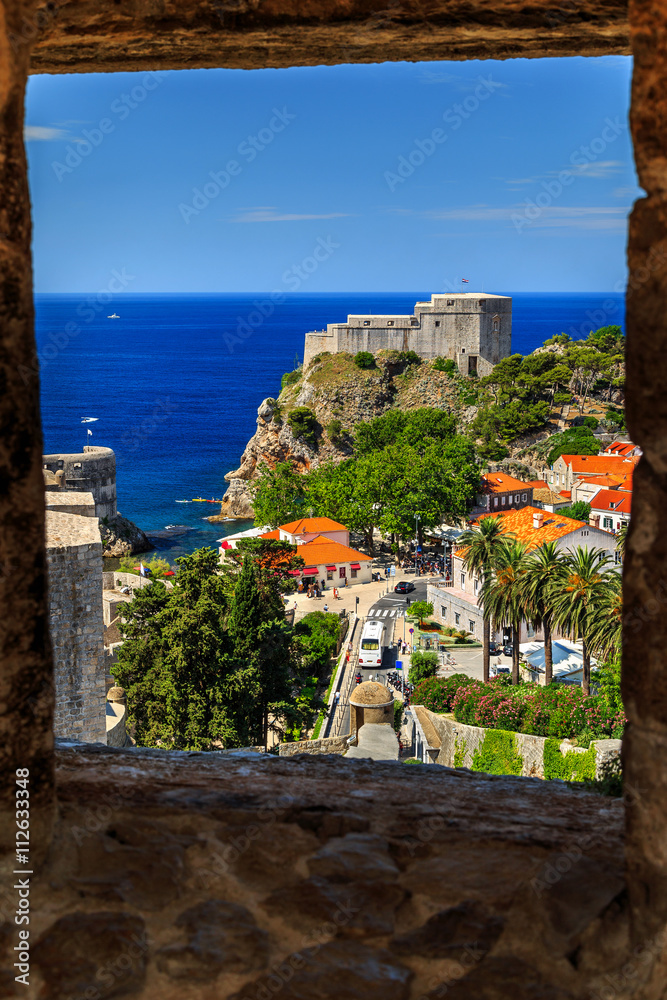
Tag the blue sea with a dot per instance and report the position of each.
(175, 383)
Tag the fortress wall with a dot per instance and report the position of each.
(91, 471)
(74, 561)
(315, 343)
(371, 339)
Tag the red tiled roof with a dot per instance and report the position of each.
(500, 482)
(619, 448)
(520, 524)
(271, 534)
(566, 494)
(612, 500)
(598, 465)
(611, 481)
(311, 525)
(538, 484)
(322, 550)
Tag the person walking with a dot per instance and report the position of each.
(323, 584)
(326, 608)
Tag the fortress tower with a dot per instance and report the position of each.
(473, 329)
(91, 471)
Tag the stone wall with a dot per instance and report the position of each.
(74, 554)
(104, 35)
(458, 744)
(254, 877)
(474, 330)
(71, 502)
(92, 471)
(330, 744)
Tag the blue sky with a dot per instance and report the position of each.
(517, 175)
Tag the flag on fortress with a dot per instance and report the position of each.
(465, 281)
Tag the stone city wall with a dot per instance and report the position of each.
(332, 744)
(460, 743)
(74, 559)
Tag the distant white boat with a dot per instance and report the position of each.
(113, 316)
(89, 420)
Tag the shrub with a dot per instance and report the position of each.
(445, 365)
(437, 693)
(562, 397)
(289, 378)
(409, 358)
(364, 359)
(304, 425)
(335, 431)
(557, 711)
(422, 665)
(579, 511)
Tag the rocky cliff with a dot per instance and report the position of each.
(340, 395)
(121, 537)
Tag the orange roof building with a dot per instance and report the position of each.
(534, 527)
(498, 490)
(308, 528)
(569, 468)
(333, 562)
(624, 448)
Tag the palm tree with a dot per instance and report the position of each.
(621, 539)
(502, 595)
(544, 572)
(481, 544)
(581, 592)
(604, 638)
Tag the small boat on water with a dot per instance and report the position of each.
(89, 420)
(113, 316)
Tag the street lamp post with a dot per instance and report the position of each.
(417, 520)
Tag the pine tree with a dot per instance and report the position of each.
(260, 640)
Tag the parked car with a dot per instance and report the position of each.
(507, 649)
(404, 587)
(495, 649)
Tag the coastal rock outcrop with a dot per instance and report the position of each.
(121, 537)
(339, 395)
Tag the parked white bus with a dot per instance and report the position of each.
(372, 644)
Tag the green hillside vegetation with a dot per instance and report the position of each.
(518, 396)
(402, 464)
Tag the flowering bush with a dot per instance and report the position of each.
(437, 693)
(555, 711)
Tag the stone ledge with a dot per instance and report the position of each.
(86, 36)
(364, 881)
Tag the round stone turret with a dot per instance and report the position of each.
(371, 702)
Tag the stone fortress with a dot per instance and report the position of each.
(81, 519)
(470, 328)
(91, 471)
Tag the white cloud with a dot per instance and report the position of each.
(269, 214)
(628, 192)
(597, 170)
(43, 133)
(605, 217)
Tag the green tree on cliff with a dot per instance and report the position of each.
(278, 495)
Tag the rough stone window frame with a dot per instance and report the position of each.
(47, 38)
